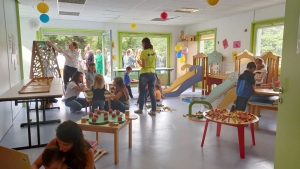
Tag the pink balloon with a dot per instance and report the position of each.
(184, 50)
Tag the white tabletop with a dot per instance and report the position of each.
(56, 90)
(138, 69)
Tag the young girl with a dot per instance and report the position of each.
(260, 72)
(53, 158)
(98, 93)
(157, 93)
(90, 75)
(78, 153)
(74, 87)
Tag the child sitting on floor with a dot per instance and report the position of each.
(90, 75)
(53, 158)
(98, 93)
(157, 93)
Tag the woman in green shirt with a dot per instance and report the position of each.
(147, 76)
(99, 62)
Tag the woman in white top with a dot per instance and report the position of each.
(260, 72)
(74, 87)
(71, 56)
(128, 59)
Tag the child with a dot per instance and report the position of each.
(260, 72)
(127, 80)
(157, 93)
(245, 86)
(53, 158)
(98, 93)
(90, 75)
(158, 82)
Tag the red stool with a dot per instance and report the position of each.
(240, 135)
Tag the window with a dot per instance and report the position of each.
(131, 47)
(206, 41)
(268, 37)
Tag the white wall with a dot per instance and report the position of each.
(28, 35)
(232, 28)
(10, 74)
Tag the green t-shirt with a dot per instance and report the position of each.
(150, 56)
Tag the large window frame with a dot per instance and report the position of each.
(206, 32)
(67, 31)
(122, 34)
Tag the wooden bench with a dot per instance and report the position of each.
(255, 107)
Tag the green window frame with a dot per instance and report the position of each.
(84, 32)
(122, 34)
(206, 32)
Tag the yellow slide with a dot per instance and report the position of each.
(180, 80)
(228, 99)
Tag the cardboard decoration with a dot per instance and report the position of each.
(236, 44)
(225, 43)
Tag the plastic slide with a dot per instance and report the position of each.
(228, 99)
(228, 85)
(184, 82)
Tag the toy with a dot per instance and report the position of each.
(113, 115)
(118, 112)
(105, 117)
(83, 120)
(96, 115)
(119, 118)
(225, 116)
(91, 114)
(110, 110)
(105, 113)
(94, 119)
(167, 108)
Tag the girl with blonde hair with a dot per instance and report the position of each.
(98, 93)
(260, 72)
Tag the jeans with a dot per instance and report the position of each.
(146, 96)
(150, 79)
(129, 91)
(98, 103)
(116, 105)
(68, 73)
(76, 104)
(241, 103)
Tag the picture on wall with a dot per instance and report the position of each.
(298, 43)
(225, 43)
(236, 44)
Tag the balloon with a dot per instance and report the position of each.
(184, 50)
(133, 25)
(164, 15)
(42, 7)
(178, 54)
(212, 2)
(44, 18)
(178, 48)
(34, 24)
(182, 59)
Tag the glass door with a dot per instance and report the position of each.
(107, 54)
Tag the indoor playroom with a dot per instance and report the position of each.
(133, 84)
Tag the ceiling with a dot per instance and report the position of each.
(143, 11)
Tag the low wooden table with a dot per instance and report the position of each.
(240, 128)
(108, 95)
(113, 130)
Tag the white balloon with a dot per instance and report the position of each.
(34, 24)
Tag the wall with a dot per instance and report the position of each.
(233, 28)
(11, 73)
(28, 35)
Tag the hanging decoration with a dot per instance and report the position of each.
(113, 44)
(42, 7)
(44, 18)
(178, 48)
(114, 57)
(184, 50)
(34, 24)
(182, 59)
(178, 54)
(164, 15)
(133, 25)
(212, 2)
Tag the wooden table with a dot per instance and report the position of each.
(108, 95)
(214, 79)
(13, 95)
(266, 92)
(113, 130)
(240, 128)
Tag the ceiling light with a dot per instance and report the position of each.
(187, 10)
(73, 1)
(69, 13)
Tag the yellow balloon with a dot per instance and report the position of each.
(133, 25)
(178, 48)
(182, 59)
(42, 7)
(212, 2)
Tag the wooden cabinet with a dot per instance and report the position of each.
(192, 50)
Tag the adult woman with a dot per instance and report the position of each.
(74, 87)
(128, 58)
(99, 62)
(77, 151)
(89, 55)
(147, 75)
(71, 56)
(120, 100)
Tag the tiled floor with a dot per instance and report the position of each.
(167, 141)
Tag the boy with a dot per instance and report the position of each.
(127, 80)
(52, 158)
(245, 86)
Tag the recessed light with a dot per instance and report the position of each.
(187, 10)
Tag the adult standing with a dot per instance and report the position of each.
(99, 62)
(79, 61)
(78, 153)
(147, 76)
(128, 59)
(71, 56)
(89, 55)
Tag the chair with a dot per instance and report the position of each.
(272, 64)
(241, 59)
(201, 59)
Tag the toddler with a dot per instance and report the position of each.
(98, 93)
(53, 158)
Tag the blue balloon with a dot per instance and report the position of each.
(179, 54)
(44, 18)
